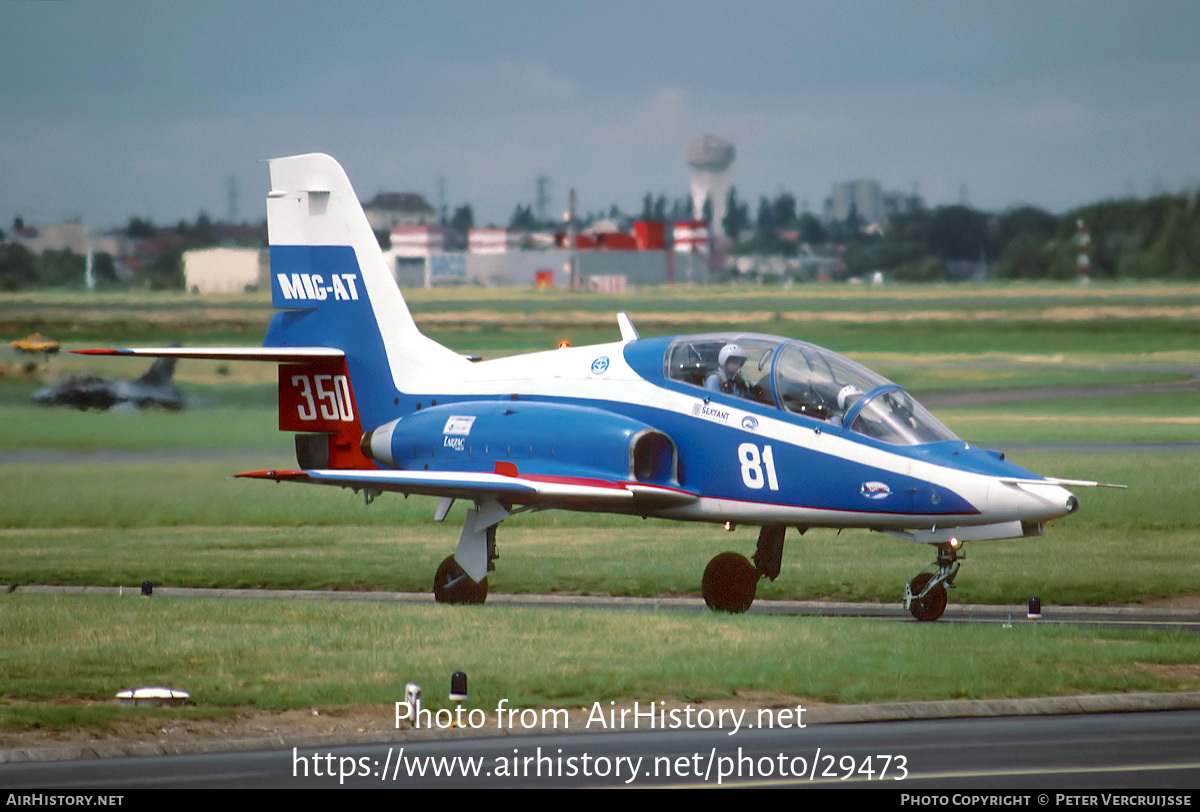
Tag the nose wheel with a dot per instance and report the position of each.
(925, 595)
(925, 602)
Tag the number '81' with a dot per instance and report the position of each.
(757, 468)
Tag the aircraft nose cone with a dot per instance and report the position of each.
(1028, 501)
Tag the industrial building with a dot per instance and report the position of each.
(226, 270)
(605, 258)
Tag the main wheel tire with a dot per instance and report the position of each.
(451, 584)
(729, 583)
(932, 605)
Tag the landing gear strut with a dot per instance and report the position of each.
(730, 580)
(925, 595)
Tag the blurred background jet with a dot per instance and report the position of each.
(154, 389)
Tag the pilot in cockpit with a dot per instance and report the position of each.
(728, 375)
(846, 397)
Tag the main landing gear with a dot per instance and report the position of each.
(452, 584)
(730, 579)
(925, 595)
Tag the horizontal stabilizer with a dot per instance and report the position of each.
(281, 355)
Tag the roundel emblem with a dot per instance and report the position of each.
(749, 423)
(875, 490)
(600, 365)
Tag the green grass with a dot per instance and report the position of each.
(295, 654)
(27, 428)
(921, 319)
(920, 381)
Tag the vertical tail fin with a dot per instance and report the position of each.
(333, 286)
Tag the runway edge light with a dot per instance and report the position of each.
(458, 687)
(412, 698)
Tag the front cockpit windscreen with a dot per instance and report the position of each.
(894, 416)
(806, 379)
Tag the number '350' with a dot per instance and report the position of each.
(327, 394)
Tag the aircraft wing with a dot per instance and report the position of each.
(534, 490)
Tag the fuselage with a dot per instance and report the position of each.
(767, 459)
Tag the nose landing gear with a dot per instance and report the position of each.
(925, 595)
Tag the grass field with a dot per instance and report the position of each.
(117, 498)
(296, 654)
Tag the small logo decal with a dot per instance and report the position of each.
(750, 422)
(459, 424)
(875, 490)
(710, 413)
(600, 365)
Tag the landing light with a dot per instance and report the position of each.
(955, 544)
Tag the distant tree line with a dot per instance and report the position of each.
(1152, 238)
(154, 256)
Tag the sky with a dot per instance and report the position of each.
(125, 108)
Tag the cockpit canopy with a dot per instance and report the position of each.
(805, 379)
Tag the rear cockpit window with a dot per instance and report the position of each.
(695, 360)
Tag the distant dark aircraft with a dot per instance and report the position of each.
(154, 389)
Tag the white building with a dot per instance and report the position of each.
(227, 270)
(418, 241)
(863, 197)
(494, 241)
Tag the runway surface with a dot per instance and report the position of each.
(1113, 617)
(1016, 754)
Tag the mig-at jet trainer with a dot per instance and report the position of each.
(730, 428)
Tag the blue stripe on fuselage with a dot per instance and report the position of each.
(715, 461)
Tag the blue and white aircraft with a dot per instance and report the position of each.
(729, 428)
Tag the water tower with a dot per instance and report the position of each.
(710, 158)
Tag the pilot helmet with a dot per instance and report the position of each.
(730, 351)
(846, 395)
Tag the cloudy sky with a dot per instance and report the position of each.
(124, 107)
